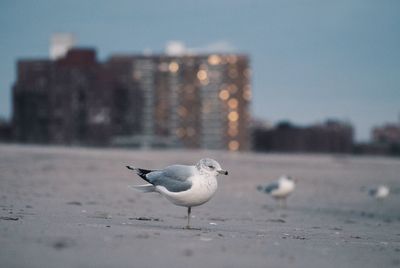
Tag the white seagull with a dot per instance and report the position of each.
(279, 189)
(186, 186)
(380, 193)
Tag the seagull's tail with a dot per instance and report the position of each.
(140, 171)
(145, 188)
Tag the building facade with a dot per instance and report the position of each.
(196, 101)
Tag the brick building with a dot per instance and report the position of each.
(62, 102)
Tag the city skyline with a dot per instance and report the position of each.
(310, 60)
(153, 101)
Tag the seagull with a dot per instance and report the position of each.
(279, 189)
(380, 193)
(186, 186)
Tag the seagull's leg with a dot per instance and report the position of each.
(188, 218)
(284, 202)
(279, 203)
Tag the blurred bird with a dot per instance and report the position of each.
(380, 193)
(186, 186)
(279, 189)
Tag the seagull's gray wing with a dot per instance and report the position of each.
(174, 178)
(271, 187)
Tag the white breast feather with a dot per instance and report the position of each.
(203, 188)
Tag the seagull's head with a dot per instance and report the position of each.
(210, 166)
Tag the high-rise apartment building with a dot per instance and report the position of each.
(197, 101)
(67, 101)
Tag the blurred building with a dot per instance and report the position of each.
(389, 133)
(66, 101)
(332, 136)
(5, 130)
(195, 101)
(186, 101)
(385, 141)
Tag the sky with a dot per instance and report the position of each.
(311, 59)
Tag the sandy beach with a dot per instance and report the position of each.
(72, 207)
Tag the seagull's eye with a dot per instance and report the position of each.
(211, 167)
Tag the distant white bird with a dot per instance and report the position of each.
(187, 186)
(380, 193)
(279, 189)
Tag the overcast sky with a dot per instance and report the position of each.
(311, 60)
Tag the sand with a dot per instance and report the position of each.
(72, 207)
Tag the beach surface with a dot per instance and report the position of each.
(73, 207)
